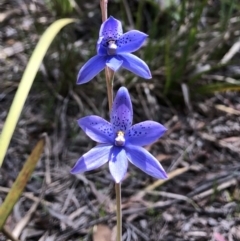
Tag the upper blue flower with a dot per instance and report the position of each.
(114, 50)
(119, 141)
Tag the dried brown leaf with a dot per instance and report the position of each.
(102, 233)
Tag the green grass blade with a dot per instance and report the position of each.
(190, 41)
(26, 83)
(140, 14)
(168, 67)
(20, 183)
(183, 11)
(226, 11)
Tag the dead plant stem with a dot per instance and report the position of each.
(8, 234)
(109, 81)
(119, 211)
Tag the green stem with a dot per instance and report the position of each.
(119, 211)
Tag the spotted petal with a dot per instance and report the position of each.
(122, 113)
(93, 159)
(136, 65)
(91, 69)
(111, 29)
(97, 129)
(145, 133)
(118, 164)
(114, 63)
(130, 41)
(142, 159)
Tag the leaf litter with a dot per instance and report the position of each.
(200, 201)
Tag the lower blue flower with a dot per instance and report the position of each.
(120, 142)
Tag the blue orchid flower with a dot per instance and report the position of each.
(114, 50)
(120, 142)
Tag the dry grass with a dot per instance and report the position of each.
(200, 151)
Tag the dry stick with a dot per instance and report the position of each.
(220, 187)
(29, 196)
(109, 81)
(24, 221)
(158, 183)
(8, 234)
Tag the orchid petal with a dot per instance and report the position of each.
(118, 164)
(145, 133)
(136, 65)
(111, 29)
(97, 129)
(101, 49)
(122, 113)
(114, 63)
(130, 41)
(93, 159)
(142, 159)
(91, 69)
